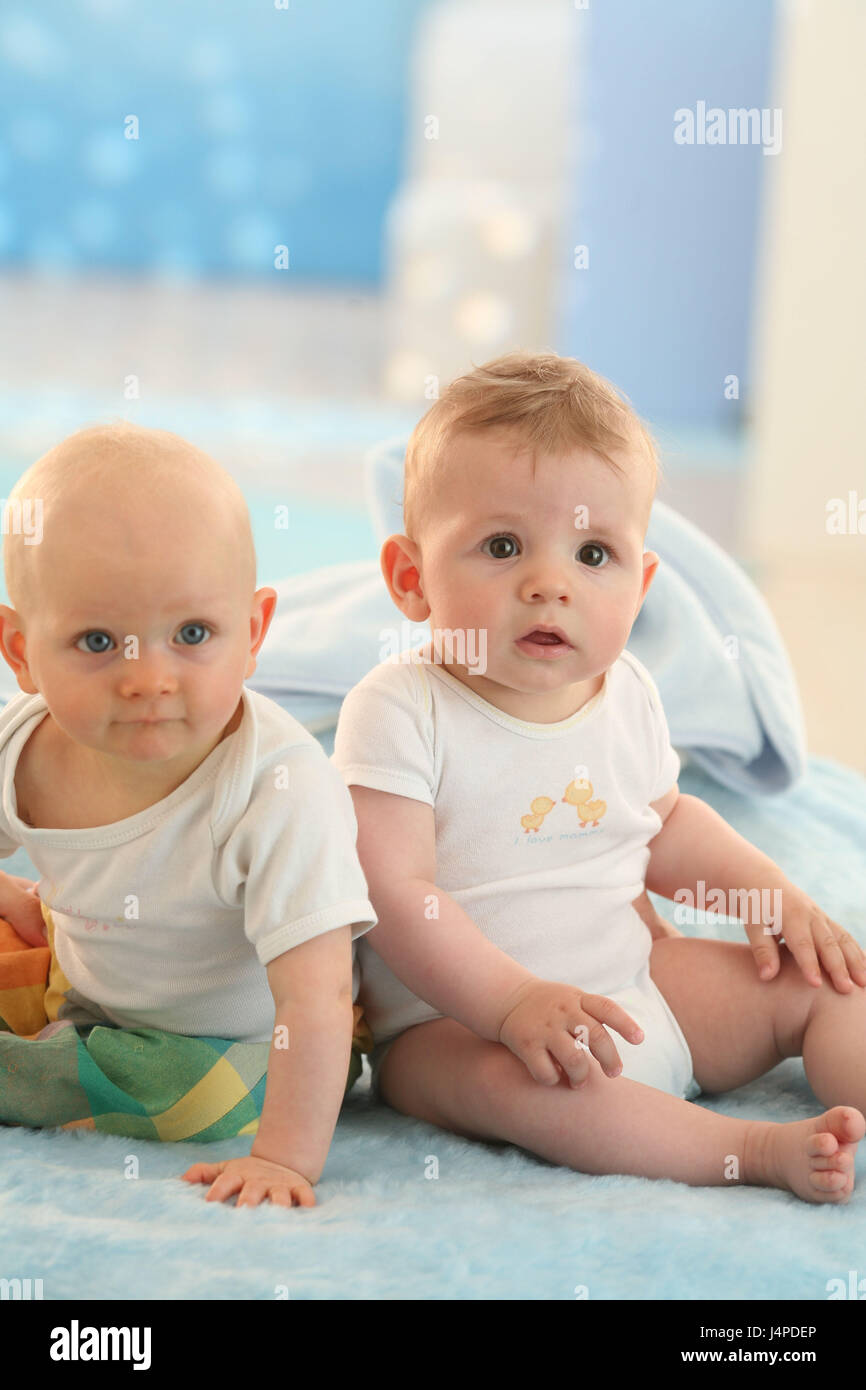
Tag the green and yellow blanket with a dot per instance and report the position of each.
(58, 1071)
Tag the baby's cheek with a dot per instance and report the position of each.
(610, 628)
(76, 715)
(623, 612)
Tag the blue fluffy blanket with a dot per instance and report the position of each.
(497, 1223)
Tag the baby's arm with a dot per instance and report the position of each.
(309, 1059)
(435, 948)
(425, 937)
(696, 845)
(21, 908)
(307, 1068)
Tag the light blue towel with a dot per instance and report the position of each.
(704, 633)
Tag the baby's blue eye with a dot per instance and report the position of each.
(90, 638)
(593, 555)
(193, 634)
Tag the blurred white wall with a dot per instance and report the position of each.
(472, 237)
(810, 370)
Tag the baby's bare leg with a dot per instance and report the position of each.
(443, 1073)
(738, 1026)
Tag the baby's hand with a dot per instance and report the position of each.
(810, 935)
(21, 908)
(253, 1179)
(543, 1024)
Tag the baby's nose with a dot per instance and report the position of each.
(547, 583)
(147, 679)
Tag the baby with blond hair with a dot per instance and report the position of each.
(137, 768)
(514, 810)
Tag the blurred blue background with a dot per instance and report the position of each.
(256, 126)
(140, 278)
(260, 127)
(665, 309)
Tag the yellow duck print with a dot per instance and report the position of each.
(578, 794)
(539, 808)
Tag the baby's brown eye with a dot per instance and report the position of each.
(592, 555)
(498, 541)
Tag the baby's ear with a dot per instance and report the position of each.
(399, 562)
(12, 646)
(650, 565)
(264, 604)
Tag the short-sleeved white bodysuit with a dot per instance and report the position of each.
(542, 834)
(166, 919)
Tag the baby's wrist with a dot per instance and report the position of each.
(506, 1006)
(281, 1161)
(277, 1142)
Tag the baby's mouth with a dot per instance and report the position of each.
(545, 639)
(539, 643)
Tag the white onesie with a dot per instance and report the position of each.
(541, 835)
(167, 919)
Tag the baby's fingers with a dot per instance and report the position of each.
(610, 1013)
(595, 1039)
(854, 955)
(765, 949)
(538, 1063)
(840, 954)
(802, 947)
(573, 1053)
(202, 1172)
(224, 1184)
(589, 1038)
(280, 1194)
(252, 1194)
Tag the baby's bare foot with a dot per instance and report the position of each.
(812, 1158)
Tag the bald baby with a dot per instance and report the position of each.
(124, 487)
(135, 615)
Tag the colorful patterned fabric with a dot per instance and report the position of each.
(60, 1067)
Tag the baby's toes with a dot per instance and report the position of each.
(831, 1166)
(834, 1162)
(845, 1123)
(831, 1181)
(822, 1144)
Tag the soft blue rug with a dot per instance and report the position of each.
(496, 1223)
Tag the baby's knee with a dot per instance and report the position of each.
(798, 1003)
